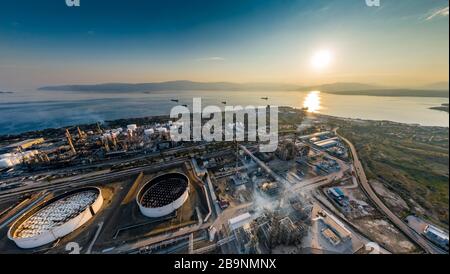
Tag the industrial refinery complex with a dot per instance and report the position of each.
(125, 187)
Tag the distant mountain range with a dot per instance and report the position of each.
(340, 87)
(433, 90)
(395, 93)
(172, 86)
(437, 86)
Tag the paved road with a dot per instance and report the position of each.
(130, 247)
(417, 238)
(90, 180)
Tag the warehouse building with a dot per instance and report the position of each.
(437, 236)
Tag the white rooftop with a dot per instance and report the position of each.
(240, 220)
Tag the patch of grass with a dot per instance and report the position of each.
(410, 160)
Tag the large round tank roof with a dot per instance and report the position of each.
(163, 194)
(56, 218)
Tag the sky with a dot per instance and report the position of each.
(400, 43)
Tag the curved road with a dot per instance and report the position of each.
(418, 239)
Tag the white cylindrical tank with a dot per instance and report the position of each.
(5, 163)
(56, 218)
(16, 160)
(6, 155)
(161, 129)
(163, 195)
(29, 154)
(149, 131)
(132, 127)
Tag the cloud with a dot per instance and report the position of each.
(437, 13)
(211, 59)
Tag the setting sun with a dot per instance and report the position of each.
(322, 59)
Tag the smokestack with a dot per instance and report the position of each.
(69, 140)
(106, 146)
(114, 141)
(99, 128)
(80, 133)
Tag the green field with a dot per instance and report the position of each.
(411, 161)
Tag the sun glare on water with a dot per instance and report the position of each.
(312, 101)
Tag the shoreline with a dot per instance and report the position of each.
(442, 107)
(158, 118)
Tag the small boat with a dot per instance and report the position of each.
(185, 105)
(224, 102)
(174, 100)
(265, 98)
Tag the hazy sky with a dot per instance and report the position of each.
(402, 42)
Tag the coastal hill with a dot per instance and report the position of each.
(443, 107)
(437, 86)
(374, 90)
(184, 85)
(346, 87)
(396, 93)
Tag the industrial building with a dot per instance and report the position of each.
(17, 153)
(270, 188)
(327, 165)
(338, 151)
(286, 151)
(11, 159)
(56, 218)
(437, 236)
(336, 193)
(163, 195)
(239, 179)
(23, 145)
(317, 136)
(328, 143)
(239, 221)
(246, 240)
(336, 226)
(303, 151)
(338, 196)
(275, 229)
(331, 236)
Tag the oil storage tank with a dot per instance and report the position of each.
(56, 217)
(163, 194)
